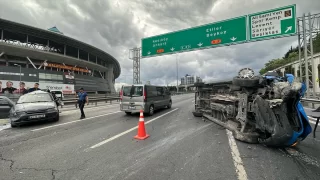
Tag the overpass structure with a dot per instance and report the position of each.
(294, 68)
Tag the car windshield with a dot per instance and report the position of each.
(32, 98)
(136, 91)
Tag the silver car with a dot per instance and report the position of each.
(149, 98)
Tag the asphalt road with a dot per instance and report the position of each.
(180, 146)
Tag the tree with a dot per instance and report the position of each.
(316, 44)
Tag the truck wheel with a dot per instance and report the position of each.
(244, 82)
(169, 105)
(151, 110)
(197, 114)
(128, 113)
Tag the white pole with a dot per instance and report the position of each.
(177, 73)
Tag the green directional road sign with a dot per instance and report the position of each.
(206, 36)
(272, 23)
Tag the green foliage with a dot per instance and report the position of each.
(290, 56)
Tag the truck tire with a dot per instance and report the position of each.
(169, 105)
(128, 113)
(151, 110)
(197, 114)
(243, 82)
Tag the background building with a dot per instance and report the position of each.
(188, 79)
(54, 60)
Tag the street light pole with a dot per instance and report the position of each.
(19, 77)
(177, 73)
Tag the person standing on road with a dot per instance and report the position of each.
(82, 99)
(35, 88)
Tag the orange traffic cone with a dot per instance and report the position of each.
(142, 134)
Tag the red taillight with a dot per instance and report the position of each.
(120, 95)
(144, 95)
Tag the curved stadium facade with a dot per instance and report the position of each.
(53, 60)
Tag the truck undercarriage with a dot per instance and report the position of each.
(256, 109)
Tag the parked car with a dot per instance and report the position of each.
(35, 106)
(146, 97)
(5, 106)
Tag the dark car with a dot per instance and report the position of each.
(34, 106)
(5, 106)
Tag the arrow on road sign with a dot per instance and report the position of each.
(288, 29)
(172, 49)
(233, 38)
(149, 52)
(200, 44)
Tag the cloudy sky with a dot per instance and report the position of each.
(116, 26)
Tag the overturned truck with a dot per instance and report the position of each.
(257, 109)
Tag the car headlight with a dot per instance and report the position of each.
(19, 113)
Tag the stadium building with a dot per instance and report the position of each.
(53, 60)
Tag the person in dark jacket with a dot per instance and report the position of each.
(35, 88)
(82, 99)
(9, 88)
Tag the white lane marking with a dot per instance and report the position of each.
(129, 130)
(241, 172)
(75, 121)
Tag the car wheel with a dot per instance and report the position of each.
(57, 118)
(169, 105)
(151, 110)
(128, 113)
(14, 125)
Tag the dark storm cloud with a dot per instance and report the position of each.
(116, 26)
(173, 14)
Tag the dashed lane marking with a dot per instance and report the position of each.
(75, 121)
(241, 172)
(129, 130)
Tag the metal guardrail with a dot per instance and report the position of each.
(93, 98)
(93, 101)
(310, 100)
